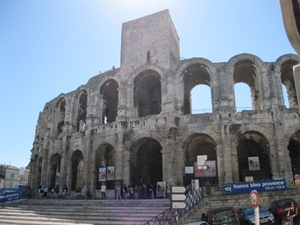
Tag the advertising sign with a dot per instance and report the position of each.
(246, 187)
(161, 189)
(102, 174)
(10, 195)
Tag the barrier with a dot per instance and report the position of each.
(10, 195)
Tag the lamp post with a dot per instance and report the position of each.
(291, 19)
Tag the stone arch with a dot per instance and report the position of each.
(54, 171)
(189, 62)
(146, 166)
(253, 152)
(248, 69)
(105, 161)
(147, 93)
(77, 171)
(135, 73)
(192, 73)
(201, 144)
(80, 110)
(109, 93)
(294, 152)
(60, 111)
(284, 66)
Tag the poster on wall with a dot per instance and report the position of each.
(253, 163)
(210, 168)
(161, 189)
(110, 173)
(198, 172)
(189, 170)
(102, 174)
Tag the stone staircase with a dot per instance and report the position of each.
(78, 211)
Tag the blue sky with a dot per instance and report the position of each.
(48, 47)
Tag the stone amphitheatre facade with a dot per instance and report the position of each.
(137, 119)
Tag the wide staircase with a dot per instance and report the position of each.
(78, 211)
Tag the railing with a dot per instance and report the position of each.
(168, 216)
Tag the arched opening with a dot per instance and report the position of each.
(145, 162)
(287, 80)
(286, 101)
(147, 93)
(242, 97)
(198, 145)
(201, 99)
(105, 166)
(253, 157)
(245, 72)
(192, 76)
(81, 111)
(60, 115)
(76, 171)
(54, 172)
(110, 95)
(294, 152)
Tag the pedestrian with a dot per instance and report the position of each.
(125, 192)
(103, 191)
(40, 191)
(293, 212)
(28, 192)
(136, 192)
(45, 192)
(85, 191)
(118, 193)
(65, 190)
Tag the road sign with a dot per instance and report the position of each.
(178, 205)
(254, 199)
(178, 197)
(178, 189)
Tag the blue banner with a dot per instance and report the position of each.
(247, 187)
(10, 195)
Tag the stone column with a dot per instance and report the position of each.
(282, 156)
(63, 162)
(119, 162)
(227, 153)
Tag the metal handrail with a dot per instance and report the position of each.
(168, 216)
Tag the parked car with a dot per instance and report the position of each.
(247, 216)
(197, 223)
(223, 215)
(280, 208)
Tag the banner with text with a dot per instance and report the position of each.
(10, 195)
(247, 187)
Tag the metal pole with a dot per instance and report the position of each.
(202, 183)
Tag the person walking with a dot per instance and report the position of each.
(28, 192)
(103, 191)
(136, 192)
(293, 212)
(118, 193)
(85, 191)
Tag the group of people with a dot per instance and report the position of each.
(43, 191)
(136, 192)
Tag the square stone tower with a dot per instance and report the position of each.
(151, 39)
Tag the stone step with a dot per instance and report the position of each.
(70, 211)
